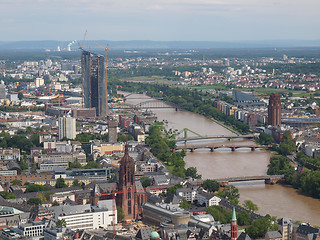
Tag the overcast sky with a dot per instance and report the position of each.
(203, 20)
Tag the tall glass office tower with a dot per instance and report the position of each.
(94, 83)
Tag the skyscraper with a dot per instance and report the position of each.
(274, 110)
(67, 127)
(94, 83)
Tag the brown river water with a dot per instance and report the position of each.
(276, 200)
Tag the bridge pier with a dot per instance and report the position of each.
(191, 149)
(271, 181)
(233, 149)
(223, 184)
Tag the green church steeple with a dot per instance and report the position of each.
(234, 217)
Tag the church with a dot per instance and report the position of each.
(130, 195)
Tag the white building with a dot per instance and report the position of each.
(187, 193)
(39, 82)
(32, 230)
(207, 199)
(10, 154)
(85, 216)
(67, 127)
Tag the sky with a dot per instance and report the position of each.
(160, 20)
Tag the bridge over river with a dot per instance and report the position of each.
(233, 147)
(269, 179)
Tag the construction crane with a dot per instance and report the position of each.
(114, 193)
(82, 77)
(106, 64)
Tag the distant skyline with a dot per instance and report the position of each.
(163, 20)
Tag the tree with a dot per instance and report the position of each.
(76, 183)
(34, 201)
(36, 188)
(41, 197)
(146, 182)
(7, 195)
(35, 139)
(92, 164)
(125, 138)
(16, 182)
(243, 218)
(23, 165)
(231, 193)
(75, 164)
(287, 144)
(120, 213)
(60, 183)
(20, 95)
(211, 185)
(173, 189)
(85, 137)
(184, 204)
(55, 203)
(192, 172)
(220, 214)
(260, 226)
(265, 139)
(61, 223)
(248, 204)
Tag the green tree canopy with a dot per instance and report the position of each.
(7, 195)
(184, 204)
(211, 185)
(120, 213)
(61, 223)
(243, 218)
(220, 214)
(248, 204)
(231, 193)
(260, 226)
(34, 201)
(16, 182)
(192, 172)
(60, 183)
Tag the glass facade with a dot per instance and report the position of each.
(94, 83)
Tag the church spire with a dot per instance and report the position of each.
(234, 226)
(234, 217)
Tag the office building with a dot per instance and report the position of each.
(94, 83)
(112, 131)
(85, 216)
(274, 110)
(67, 127)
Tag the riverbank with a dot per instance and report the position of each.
(270, 199)
(221, 124)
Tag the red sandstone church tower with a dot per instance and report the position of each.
(234, 226)
(274, 110)
(128, 196)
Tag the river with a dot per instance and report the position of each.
(276, 200)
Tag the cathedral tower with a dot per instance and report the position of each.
(127, 198)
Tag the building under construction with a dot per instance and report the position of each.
(94, 83)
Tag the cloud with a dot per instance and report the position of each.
(131, 19)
